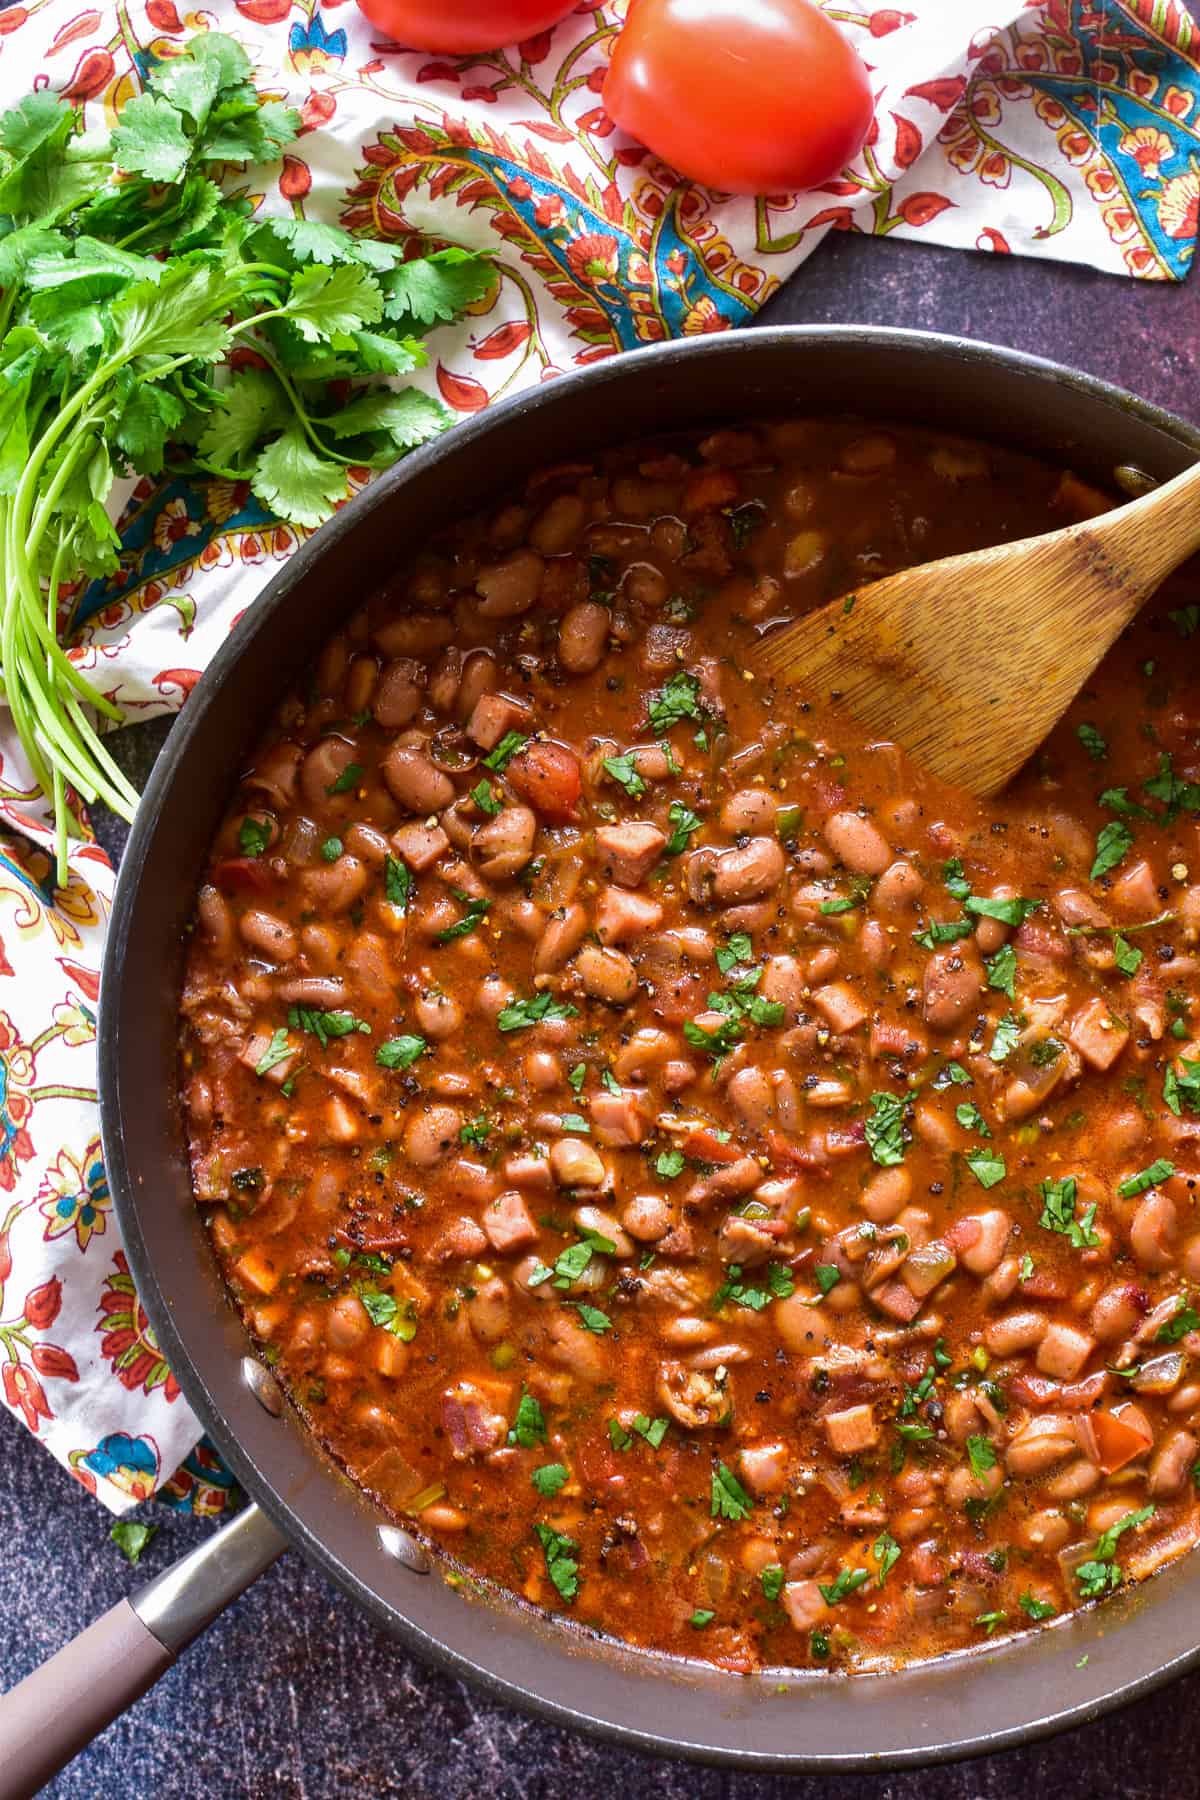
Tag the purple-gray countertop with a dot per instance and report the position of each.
(293, 1694)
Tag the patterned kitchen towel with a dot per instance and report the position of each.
(1047, 128)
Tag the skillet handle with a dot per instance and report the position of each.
(48, 1718)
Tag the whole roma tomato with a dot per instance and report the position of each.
(747, 96)
(460, 27)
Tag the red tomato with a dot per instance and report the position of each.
(747, 96)
(547, 776)
(463, 26)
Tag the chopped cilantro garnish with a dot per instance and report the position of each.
(1092, 741)
(683, 823)
(398, 883)
(729, 1499)
(624, 771)
(677, 699)
(528, 1428)
(1058, 1214)
(549, 1480)
(1113, 843)
(324, 1026)
(401, 1052)
(885, 1129)
(987, 1166)
(277, 1051)
(848, 1582)
(505, 750)
(520, 1013)
(562, 1564)
(1159, 1170)
(346, 780)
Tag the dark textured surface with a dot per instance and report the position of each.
(292, 1694)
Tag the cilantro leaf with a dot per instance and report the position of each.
(562, 1564)
(437, 287)
(292, 480)
(150, 139)
(401, 1052)
(520, 1013)
(549, 1480)
(677, 699)
(885, 1134)
(987, 1166)
(1058, 1213)
(1112, 845)
(729, 1499)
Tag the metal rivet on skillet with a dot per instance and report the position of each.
(405, 1549)
(263, 1386)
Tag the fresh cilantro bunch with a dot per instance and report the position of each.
(126, 278)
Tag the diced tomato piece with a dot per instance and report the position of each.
(547, 776)
(242, 875)
(1117, 1442)
(703, 1143)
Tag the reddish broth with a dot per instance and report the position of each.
(714, 1179)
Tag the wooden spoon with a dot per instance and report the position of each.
(968, 662)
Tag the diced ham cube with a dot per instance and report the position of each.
(629, 851)
(462, 1237)
(493, 715)
(621, 916)
(419, 845)
(898, 1301)
(838, 1003)
(804, 1604)
(1134, 891)
(1063, 1351)
(470, 1421)
(850, 1431)
(764, 1467)
(1097, 1034)
(508, 1223)
(619, 1119)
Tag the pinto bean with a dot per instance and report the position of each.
(898, 889)
(1171, 1463)
(981, 1239)
(953, 983)
(438, 1015)
(606, 974)
(750, 809)
(335, 888)
(432, 1135)
(414, 634)
(750, 1092)
(857, 843)
(271, 937)
(1042, 1441)
(414, 782)
(557, 526)
(574, 1163)
(216, 919)
(346, 1322)
(328, 758)
(647, 1217)
(582, 636)
(1014, 1332)
(886, 1194)
(744, 874)
(504, 845)
(564, 932)
(1152, 1232)
(397, 697)
(510, 587)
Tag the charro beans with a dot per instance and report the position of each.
(629, 1102)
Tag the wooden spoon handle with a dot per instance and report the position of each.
(1145, 540)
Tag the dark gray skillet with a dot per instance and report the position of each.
(980, 1701)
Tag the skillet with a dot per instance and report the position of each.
(795, 1721)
